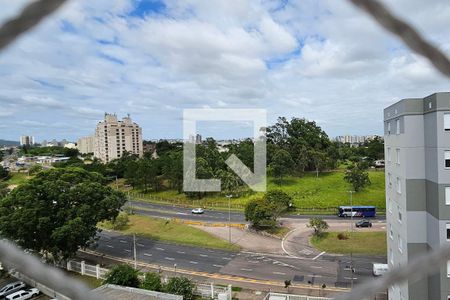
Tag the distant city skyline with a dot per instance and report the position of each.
(294, 58)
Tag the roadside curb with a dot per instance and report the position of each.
(211, 275)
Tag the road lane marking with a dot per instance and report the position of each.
(248, 270)
(319, 255)
(218, 266)
(127, 250)
(181, 252)
(140, 245)
(316, 267)
(279, 273)
(123, 241)
(203, 255)
(147, 254)
(169, 258)
(193, 262)
(160, 249)
(226, 258)
(109, 246)
(314, 275)
(350, 278)
(253, 261)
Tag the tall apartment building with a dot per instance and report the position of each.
(86, 144)
(417, 151)
(26, 140)
(114, 137)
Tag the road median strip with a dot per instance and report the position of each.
(209, 224)
(210, 275)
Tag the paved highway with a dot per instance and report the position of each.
(168, 211)
(328, 269)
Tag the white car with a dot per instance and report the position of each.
(380, 269)
(11, 288)
(198, 211)
(23, 294)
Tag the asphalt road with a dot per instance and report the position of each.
(329, 269)
(168, 211)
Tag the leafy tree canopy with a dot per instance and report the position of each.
(57, 211)
(123, 275)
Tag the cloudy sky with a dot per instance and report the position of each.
(319, 59)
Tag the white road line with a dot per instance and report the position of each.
(253, 261)
(248, 270)
(349, 278)
(109, 246)
(203, 255)
(140, 245)
(193, 262)
(181, 252)
(169, 258)
(226, 258)
(314, 275)
(127, 250)
(279, 273)
(147, 254)
(218, 266)
(316, 267)
(123, 241)
(319, 255)
(160, 249)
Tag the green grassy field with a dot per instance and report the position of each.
(329, 190)
(17, 178)
(372, 243)
(170, 231)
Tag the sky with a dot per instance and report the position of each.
(323, 60)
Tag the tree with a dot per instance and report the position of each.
(152, 282)
(318, 224)
(280, 198)
(172, 169)
(123, 275)
(229, 181)
(281, 164)
(57, 211)
(35, 169)
(262, 213)
(4, 173)
(357, 176)
(3, 189)
(180, 286)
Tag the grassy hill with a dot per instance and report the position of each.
(329, 190)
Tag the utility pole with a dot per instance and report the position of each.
(229, 217)
(134, 251)
(351, 226)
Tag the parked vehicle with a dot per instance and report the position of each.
(363, 223)
(357, 211)
(11, 288)
(380, 269)
(23, 294)
(198, 211)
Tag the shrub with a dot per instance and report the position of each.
(152, 282)
(180, 286)
(121, 222)
(122, 275)
(342, 236)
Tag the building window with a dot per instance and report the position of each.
(399, 214)
(430, 105)
(447, 195)
(398, 156)
(399, 186)
(391, 256)
(447, 122)
(389, 180)
(389, 154)
(390, 205)
(447, 159)
(389, 127)
(397, 125)
(448, 268)
(400, 244)
(447, 227)
(391, 232)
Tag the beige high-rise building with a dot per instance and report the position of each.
(113, 138)
(86, 144)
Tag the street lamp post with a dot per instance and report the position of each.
(229, 217)
(175, 266)
(351, 232)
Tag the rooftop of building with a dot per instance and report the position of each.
(113, 292)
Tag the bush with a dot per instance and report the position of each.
(152, 282)
(180, 286)
(123, 275)
(121, 222)
(342, 236)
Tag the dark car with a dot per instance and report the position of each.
(363, 223)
